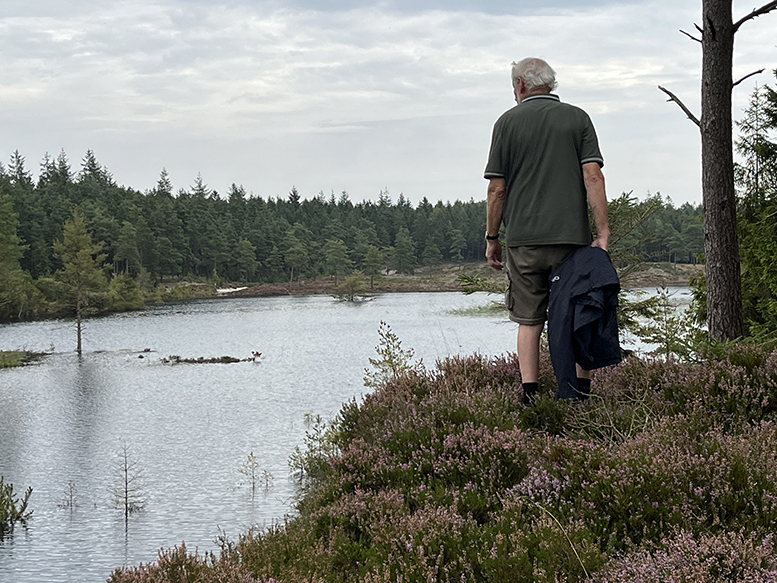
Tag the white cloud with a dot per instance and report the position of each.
(354, 99)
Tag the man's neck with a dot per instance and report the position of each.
(534, 92)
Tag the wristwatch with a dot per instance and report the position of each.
(492, 237)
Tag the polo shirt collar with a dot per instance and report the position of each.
(541, 96)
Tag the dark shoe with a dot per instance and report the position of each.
(529, 393)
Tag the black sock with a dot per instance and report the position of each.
(529, 392)
(583, 388)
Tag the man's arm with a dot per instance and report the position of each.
(497, 190)
(597, 199)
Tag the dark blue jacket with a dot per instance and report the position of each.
(582, 316)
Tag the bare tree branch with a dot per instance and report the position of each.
(748, 75)
(690, 36)
(766, 8)
(673, 97)
(699, 28)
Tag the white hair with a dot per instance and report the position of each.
(536, 74)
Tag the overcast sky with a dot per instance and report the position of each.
(350, 95)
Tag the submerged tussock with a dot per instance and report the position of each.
(443, 475)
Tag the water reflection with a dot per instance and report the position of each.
(190, 426)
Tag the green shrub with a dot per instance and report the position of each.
(12, 510)
(444, 475)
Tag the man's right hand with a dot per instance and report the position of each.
(494, 253)
(601, 241)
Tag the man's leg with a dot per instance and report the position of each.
(529, 351)
(529, 359)
(583, 382)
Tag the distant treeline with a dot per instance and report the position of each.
(198, 233)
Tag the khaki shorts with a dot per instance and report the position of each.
(528, 271)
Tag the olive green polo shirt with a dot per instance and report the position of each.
(539, 147)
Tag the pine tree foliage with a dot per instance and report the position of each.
(392, 361)
(757, 184)
(196, 233)
(82, 281)
(756, 174)
(18, 295)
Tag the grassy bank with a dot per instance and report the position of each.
(12, 358)
(668, 473)
(446, 278)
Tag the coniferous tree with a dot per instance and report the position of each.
(756, 176)
(81, 277)
(404, 252)
(244, 257)
(124, 293)
(431, 255)
(373, 264)
(296, 256)
(128, 489)
(274, 264)
(17, 294)
(294, 197)
(458, 244)
(126, 257)
(724, 290)
(337, 260)
(757, 181)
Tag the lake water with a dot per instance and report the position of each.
(189, 427)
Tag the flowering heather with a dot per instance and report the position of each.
(177, 564)
(726, 557)
(668, 473)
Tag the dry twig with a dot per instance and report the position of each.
(690, 36)
(673, 97)
(765, 9)
(747, 76)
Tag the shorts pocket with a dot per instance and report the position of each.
(509, 300)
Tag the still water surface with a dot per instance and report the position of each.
(189, 427)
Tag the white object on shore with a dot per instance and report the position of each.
(229, 290)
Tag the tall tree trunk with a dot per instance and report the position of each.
(78, 325)
(724, 292)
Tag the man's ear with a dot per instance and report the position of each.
(518, 89)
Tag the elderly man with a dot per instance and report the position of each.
(544, 165)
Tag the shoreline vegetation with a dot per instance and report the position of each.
(666, 473)
(14, 358)
(443, 278)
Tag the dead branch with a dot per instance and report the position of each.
(747, 76)
(673, 97)
(766, 8)
(690, 36)
(699, 28)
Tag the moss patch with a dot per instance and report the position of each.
(12, 358)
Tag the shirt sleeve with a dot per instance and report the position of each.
(589, 146)
(496, 166)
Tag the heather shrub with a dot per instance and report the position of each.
(529, 542)
(731, 388)
(443, 475)
(735, 389)
(671, 477)
(713, 558)
(178, 565)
